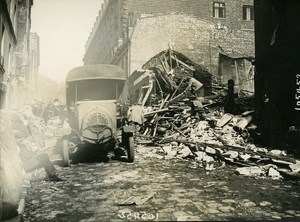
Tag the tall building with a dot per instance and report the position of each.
(15, 63)
(33, 65)
(129, 32)
(8, 43)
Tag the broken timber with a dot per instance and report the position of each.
(235, 148)
(156, 111)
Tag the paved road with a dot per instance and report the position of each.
(163, 190)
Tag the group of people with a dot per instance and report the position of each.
(54, 109)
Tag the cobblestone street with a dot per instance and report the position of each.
(168, 190)
(149, 110)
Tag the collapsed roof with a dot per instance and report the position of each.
(175, 66)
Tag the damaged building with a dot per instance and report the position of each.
(239, 68)
(126, 32)
(166, 73)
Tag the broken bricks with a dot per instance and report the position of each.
(208, 134)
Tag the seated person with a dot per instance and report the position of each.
(30, 158)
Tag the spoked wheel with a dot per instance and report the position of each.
(130, 149)
(65, 153)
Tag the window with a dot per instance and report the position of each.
(248, 12)
(219, 10)
(98, 89)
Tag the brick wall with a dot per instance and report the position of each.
(192, 7)
(199, 40)
(152, 35)
(202, 9)
(241, 41)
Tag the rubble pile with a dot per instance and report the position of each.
(212, 138)
(169, 71)
(182, 126)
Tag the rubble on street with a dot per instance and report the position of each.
(170, 189)
(179, 125)
(213, 137)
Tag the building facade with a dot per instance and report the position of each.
(129, 32)
(16, 65)
(33, 65)
(8, 44)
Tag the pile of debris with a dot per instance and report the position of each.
(173, 67)
(166, 74)
(185, 127)
(212, 138)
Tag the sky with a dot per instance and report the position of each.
(63, 27)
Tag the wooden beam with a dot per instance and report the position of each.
(156, 111)
(184, 64)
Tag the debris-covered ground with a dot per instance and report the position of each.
(198, 167)
(159, 189)
(212, 139)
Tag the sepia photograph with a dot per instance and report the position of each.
(149, 110)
